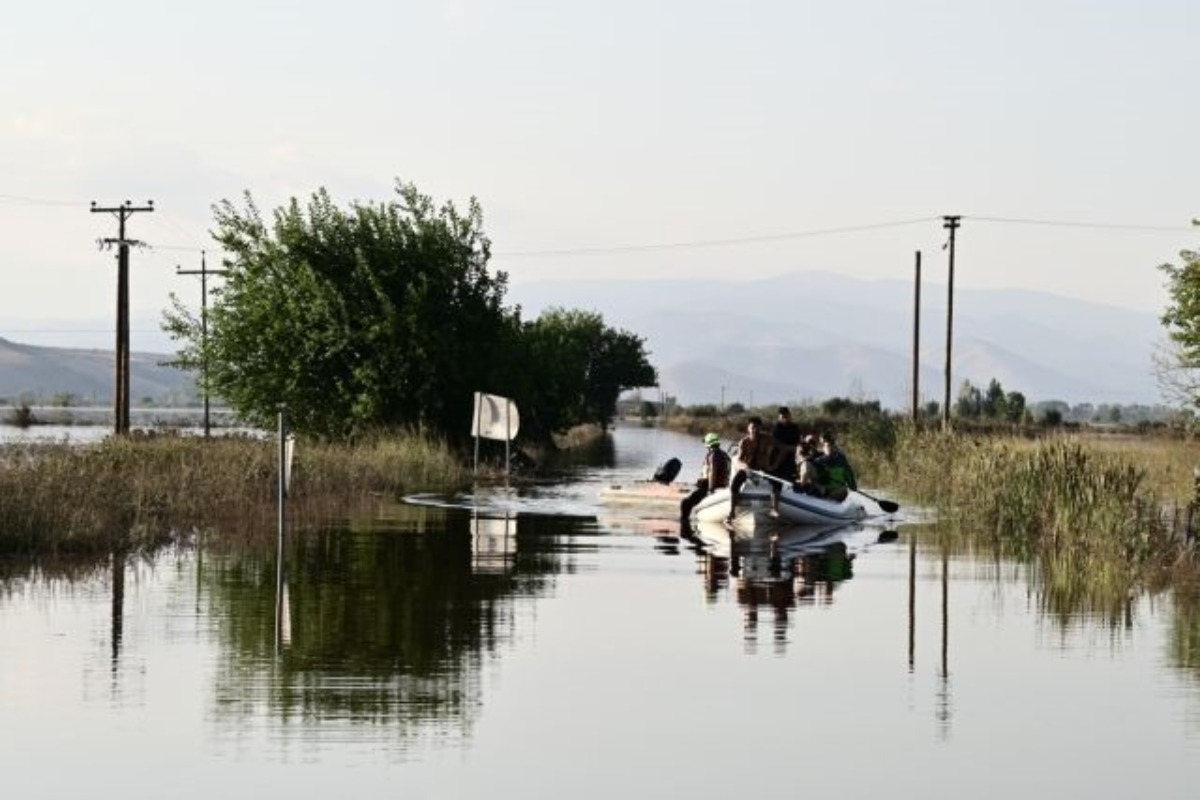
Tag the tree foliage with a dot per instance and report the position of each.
(970, 401)
(382, 314)
(1014, 407)
(385, 314)
(1177, 366)
(575, 367)
(992, 404)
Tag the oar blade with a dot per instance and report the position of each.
(887, 506)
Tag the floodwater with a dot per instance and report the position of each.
(89, 433)
(75, 434)
(538, 643)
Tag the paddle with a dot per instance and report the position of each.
(760, 474)
(887, 506)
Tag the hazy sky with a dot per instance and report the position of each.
(589, 126)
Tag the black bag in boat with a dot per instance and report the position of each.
(667, 471)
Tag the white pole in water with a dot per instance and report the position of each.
(282, 518)
(507, 434)
(478, 414)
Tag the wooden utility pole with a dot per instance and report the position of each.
(121, 401)
(951, 223)
(916, 353)
(203, 272)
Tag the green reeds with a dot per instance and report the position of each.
(140, 492)
(1092, 517)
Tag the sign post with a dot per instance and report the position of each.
(495, 418)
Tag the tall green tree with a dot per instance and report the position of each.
(382, 314)
(992, 405)
(970, 401)
(576, 367)
(1177, 366)
(1014, 407)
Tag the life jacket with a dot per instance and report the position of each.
(717, 465)
(835, 471)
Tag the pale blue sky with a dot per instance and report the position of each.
(592, 125)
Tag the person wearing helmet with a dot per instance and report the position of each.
(714, 474)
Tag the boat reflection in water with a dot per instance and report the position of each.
(781, 569)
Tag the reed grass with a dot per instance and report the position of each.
(133, 493)
(1101, 519)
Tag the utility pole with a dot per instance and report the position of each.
(121, 401)
(951, 223)
(203, 272)
(916, 355)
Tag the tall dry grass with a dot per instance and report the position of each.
(140, 492)
(1101, 517)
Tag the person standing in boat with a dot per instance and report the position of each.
(785, 437)
(753, 453)
(714, 474)
(837, 476)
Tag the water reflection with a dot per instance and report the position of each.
(780, 570)
(493, 544)
(118, 608)
(1185, 631)
(377, 625)
(943, 709)
(401, 626)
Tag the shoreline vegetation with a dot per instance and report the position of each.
(148, 490)
(151, 489)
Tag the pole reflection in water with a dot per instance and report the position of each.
(945, 705)
(118, 611)
(912, 604)
(943, 710)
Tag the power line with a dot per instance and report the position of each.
(42, 201)
(180, 247)
(739, 240)
(1081, 224)
(74, 330)
(634, 248)
(726, 242)
(181, 227)
(39, 201)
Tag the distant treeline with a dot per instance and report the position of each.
(992, 405)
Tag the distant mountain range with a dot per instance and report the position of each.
(88, 375)
(807, 336)
(815, 335)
